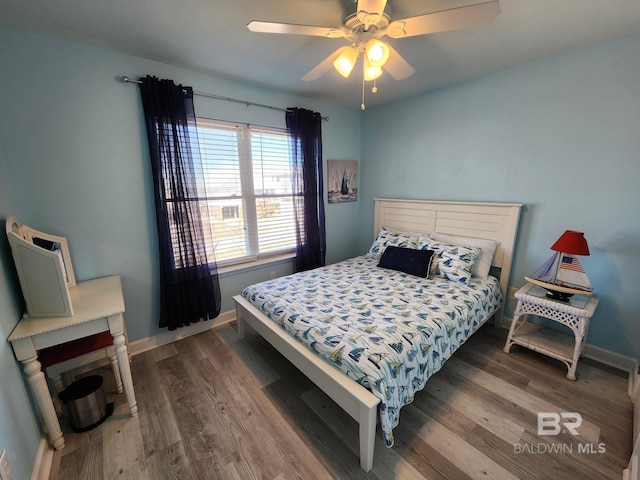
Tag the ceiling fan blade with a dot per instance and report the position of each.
(370, 12)
(323, 66)
(371, 6)
(293, 29)
(454, 19)
(397, 66)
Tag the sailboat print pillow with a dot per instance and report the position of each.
(452, 262)
(387, 238)
(482, 265)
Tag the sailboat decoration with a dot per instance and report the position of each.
(562, 275)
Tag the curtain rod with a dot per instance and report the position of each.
(126, 79)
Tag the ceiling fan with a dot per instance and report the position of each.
(364, 22)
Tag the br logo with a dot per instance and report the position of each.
(552, 423)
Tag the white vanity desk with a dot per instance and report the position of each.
(98, 306)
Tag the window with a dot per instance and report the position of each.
(244, 189)
(230, 212)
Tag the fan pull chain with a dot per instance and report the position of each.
(374, 89)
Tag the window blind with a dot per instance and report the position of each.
(244, 190)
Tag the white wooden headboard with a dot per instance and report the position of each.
(494, 221)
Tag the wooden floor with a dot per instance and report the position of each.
(211, 407)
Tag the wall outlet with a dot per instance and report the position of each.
(5, 468)
(512, 292)
(273, 275)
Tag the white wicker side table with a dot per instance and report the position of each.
(555, 344)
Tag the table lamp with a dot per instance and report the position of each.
(562, 275)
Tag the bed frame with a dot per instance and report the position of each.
(495, 221)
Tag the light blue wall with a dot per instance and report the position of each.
(19, 431)
(561, 136)
(74, 161)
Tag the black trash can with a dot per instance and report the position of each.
(88, 407)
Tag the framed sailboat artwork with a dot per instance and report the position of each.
(342, 179)
(563, 276)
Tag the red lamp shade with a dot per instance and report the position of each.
(571, 242)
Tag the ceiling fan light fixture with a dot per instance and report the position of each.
(345, 61)
(371, 72)
(376, 52)
(365, 22)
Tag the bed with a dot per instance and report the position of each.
(371, 337)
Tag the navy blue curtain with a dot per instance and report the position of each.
(305, 133)
(189, 287)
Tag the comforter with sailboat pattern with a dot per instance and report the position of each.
(387, 330)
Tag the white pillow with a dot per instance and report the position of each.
(482, 264)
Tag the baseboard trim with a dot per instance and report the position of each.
(613, 359)
(44, 460)
(145, 344)
(616, 360)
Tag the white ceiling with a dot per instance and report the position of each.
(211, 36)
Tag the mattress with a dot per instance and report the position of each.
(387, 330)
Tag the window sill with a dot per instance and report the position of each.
(255, 264)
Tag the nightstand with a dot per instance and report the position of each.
(575, 314)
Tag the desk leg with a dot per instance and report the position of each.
(125, 369)
(42, 397)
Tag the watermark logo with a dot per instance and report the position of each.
(552, 423)
(558, 423)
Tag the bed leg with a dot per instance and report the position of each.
(239, 322)
(367, 436)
